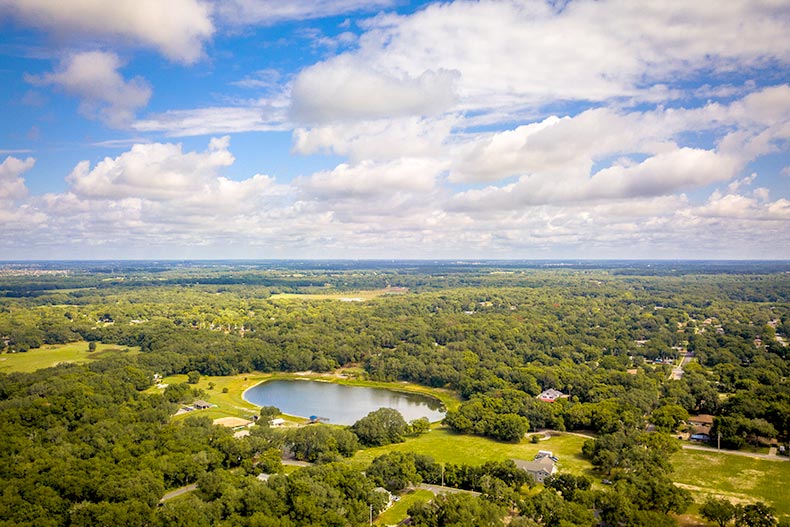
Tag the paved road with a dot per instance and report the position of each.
(438, 489)
(174, 493)
(768, 457)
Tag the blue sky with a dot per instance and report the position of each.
(394, 129)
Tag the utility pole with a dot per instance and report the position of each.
(718, 445)
(442, 474)
(371, 514)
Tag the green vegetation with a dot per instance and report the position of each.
(51, 355)
(346, 296)
(398, 511)
(446, 446)
(741, 479)
(93, 441)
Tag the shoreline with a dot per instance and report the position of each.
(333, 379)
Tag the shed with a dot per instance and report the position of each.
(201, 405)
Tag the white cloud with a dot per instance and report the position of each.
(153, 171)
(380, 139)
(93, 77)
(244, 12)
(737, 206)
(662, 174)
(511, 54)
(343, 89)
(12, 185)
(178, 28)
(368, 179)
(215, 120)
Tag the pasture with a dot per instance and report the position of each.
(50, 355)
(740, 479)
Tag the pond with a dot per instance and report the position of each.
(340, 404)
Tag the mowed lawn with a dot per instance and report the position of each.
(739, 478)
(230, 404)
(447, 446)
(53, 354)
(399, 510)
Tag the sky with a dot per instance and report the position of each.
(326, 129)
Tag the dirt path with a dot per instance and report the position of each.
(438, 489)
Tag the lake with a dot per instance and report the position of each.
(340, 404)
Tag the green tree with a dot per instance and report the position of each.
(380, 427)
(755, 515)
(193, 377)
(719, 511)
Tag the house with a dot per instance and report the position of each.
(551, 395)
(700, 426)
(277, 421)
(201, 405)
(539, 469)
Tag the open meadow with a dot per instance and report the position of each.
(738, 478)
(50, 355)
(447, 446)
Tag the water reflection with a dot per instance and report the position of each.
(339, 403)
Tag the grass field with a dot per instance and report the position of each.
(347, 296)
(53, 354)
(399, 510)
(447, 446)
(739, 478)
(230, 404)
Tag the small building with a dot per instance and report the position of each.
(277, 421)
(701, 420)
(551, 395)
(539, 469)
(201, 405)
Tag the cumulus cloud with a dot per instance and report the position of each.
(513, 54)
(178, 28)
(344, 89)
(664, 173)
(93, 77)
(12, 185)
(369, 179)
(243, 12)
(380, 139)
(156, 171)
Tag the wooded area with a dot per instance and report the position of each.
(84, 445)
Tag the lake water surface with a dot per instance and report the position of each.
(341, 404)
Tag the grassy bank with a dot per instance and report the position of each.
(53, 354)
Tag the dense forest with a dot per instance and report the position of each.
(88, 445)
